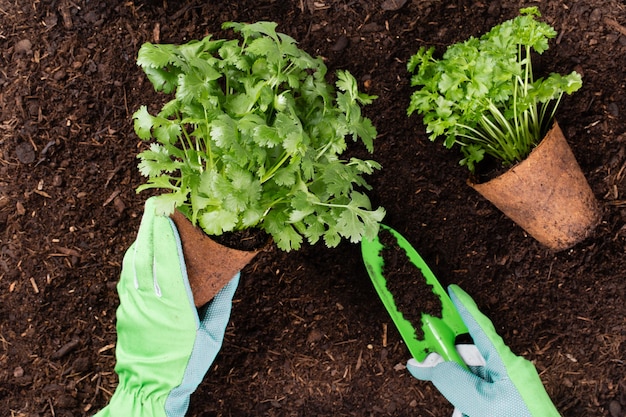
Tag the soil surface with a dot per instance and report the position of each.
(308, 335)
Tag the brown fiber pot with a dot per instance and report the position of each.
(210, 266)
(547, 194)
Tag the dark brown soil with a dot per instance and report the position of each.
(307, 336)
(412, 294)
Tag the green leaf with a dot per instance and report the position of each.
(251, 217)
(224, 132)
(155, 56)
(162, 80)
(190, 87)
(314, 228)
(298, 215)
(267, 48)
(167, 133)
(166, 203)
(366, 167)
(571, 83)
(285, 176)
(231, 53)
(156, 161)
(253, 30)
(332, 238)
(164, 182)
(143, 123)
(357, 219)
(347, 83)
(285, 235)
(365, 130)
(216, 222)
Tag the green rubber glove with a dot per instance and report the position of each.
(164, 346)
(507, 385)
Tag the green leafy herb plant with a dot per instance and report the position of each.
(482, 94)
(253, 138)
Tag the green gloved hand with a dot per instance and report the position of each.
(506, 386)
(164, 346)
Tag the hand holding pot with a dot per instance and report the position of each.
(507, 385)
(165, 346)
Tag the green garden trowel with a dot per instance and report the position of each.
(439, 333)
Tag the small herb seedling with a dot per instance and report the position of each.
(253, 138)
(482, 94)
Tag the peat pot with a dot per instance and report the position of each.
(546, 194)
(210, 265)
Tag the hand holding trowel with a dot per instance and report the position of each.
(484, 380)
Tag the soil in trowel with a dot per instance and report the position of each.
(400, 274)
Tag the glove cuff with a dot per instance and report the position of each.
(133, 403)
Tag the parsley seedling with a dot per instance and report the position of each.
(253, 136)
(482, 95)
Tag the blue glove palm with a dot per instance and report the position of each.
(507, 386)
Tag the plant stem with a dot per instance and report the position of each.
(268, 175)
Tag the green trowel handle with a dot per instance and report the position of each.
(441, 339)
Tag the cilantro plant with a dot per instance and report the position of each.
(253, 138)
(482, 94)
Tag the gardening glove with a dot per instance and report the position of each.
(470, 355)
(165, 346)
(507, 385)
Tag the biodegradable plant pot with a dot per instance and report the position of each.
(546, 194)
(210, 265)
